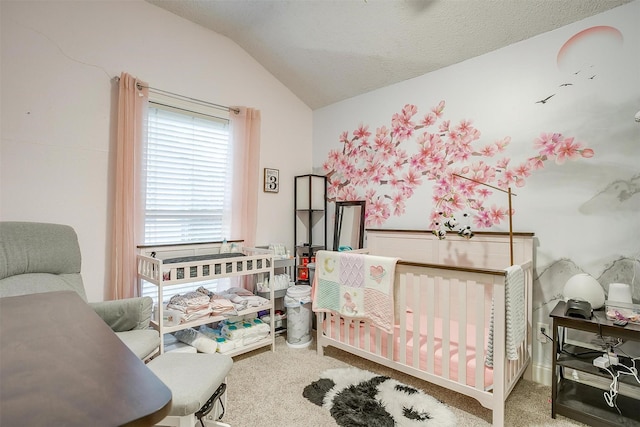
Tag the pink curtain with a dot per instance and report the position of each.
(129, 192)
(245, 130)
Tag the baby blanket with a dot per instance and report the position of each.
(355, 285)
(515, 315)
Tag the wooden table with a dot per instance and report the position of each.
(61, 365)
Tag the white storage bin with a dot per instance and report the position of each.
(298, 304)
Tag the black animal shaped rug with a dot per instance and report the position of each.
(361, 398)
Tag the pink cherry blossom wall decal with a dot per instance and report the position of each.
(378, 167)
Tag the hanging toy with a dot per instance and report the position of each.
(465, 232)
(440, 234)
(451, 223)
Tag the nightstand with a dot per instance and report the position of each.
(584, 402)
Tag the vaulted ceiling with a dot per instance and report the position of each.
(326, 51)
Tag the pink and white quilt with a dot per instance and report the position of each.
(355, 285)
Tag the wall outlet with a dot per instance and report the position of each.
(542, 327)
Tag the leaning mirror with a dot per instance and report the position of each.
(348, 232)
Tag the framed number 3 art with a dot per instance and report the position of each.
(271, 180)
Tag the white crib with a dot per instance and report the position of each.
(443, 314)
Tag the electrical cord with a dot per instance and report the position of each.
(633, 371)
(611, 396)
(582, 354)
(544, 333)
(587, 353)
(562, 350)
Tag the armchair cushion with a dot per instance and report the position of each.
(129, 319)
(192, 378)
(125, 314)
(142, 342)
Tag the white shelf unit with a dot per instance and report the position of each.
(151, 268)
(281, 266)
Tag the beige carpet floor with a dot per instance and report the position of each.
(265, 389)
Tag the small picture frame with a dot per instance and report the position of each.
(271, 180)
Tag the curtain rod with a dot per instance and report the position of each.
(176, 95)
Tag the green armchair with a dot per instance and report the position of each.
(39, 257)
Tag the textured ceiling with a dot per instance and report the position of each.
(326, 51)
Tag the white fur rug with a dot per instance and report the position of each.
(356, 398)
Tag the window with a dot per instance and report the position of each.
(187, 171)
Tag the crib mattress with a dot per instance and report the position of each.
(408, 343)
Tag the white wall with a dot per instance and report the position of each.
(58, 104)
(584, 213)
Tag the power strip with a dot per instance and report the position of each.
(605, 361)
(602, 362)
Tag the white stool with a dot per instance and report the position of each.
(197, 384)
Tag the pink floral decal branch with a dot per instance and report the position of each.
(379, 168)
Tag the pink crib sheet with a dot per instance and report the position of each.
(437, 343)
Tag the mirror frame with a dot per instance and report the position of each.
(338, 222)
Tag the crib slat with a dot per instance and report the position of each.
(446, 325)
(390, 347)
(499, 342)
(480, 289)
(405, 279)
(431, 301)
(462, 330)
(417, 315)
(367, 339)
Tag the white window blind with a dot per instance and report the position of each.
(187, 170)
